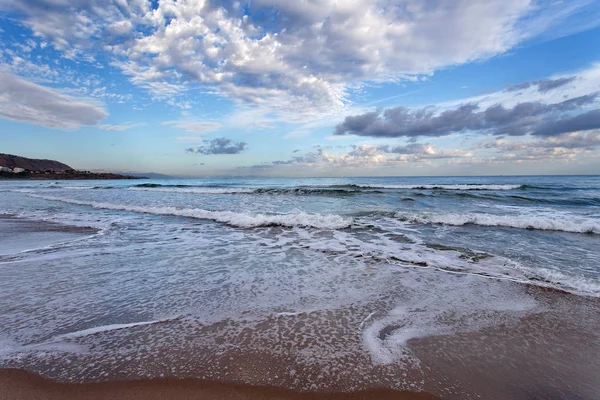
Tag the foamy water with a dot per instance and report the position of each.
(330, 275)
(548, 221)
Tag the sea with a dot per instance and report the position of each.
(476, 287)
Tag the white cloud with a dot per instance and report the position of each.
(304, 69)
(304, 62)
(121, 127)
(568, 146)
(44, 70)
(366, 156)
(586, 81)
(25, 101)
(194, 126)
(74, 27)
(121, 27)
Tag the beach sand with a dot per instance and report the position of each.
(554, 354)
(21, 385)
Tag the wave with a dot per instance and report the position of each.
(442, 187)
(206, 190)
(353, 186)
(298, 191)
(555, 279)
(547, 222)
(504, 197)
(237, 219)
(311, 190)
(349, 189)
(156, 185)
(590, 201)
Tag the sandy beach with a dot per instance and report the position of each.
(21, 385)
(552, 354)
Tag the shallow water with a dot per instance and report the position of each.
(334, 281)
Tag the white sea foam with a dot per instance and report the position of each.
(10, 348)
(289, 313)
(555, 279)
(546, 221)
(445, 187)
(242, 220)
(194, 190)
(101, 329)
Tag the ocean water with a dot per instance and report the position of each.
(313, 284)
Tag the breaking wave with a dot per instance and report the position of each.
(349, 189)
(299, 191)
(445, 187)
(206, 190)
(547, 222)
(241, 220)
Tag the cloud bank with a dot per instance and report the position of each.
(301, 59)
(25, 101)
(535, 118)
(195, 126)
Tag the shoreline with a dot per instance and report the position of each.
(17, 384)
(155, 307)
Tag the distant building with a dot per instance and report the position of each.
(5, 169)
(17, 170)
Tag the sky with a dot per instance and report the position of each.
(303, 88)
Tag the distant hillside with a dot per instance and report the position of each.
(147, 175)
(32, 164)
(48, 170)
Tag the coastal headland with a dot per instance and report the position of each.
(16, 167)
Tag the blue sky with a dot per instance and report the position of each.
(303, 88)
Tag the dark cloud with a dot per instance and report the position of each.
(543, 85)
(295, 151)
(219, 146)
(358, 123)
(549, 84)
(577, 102)
(283, 162)
(582, 122)
(413, 148)
(519, 120)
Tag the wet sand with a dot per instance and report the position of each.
(553, 354)
(548, 355)
(21, 385)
